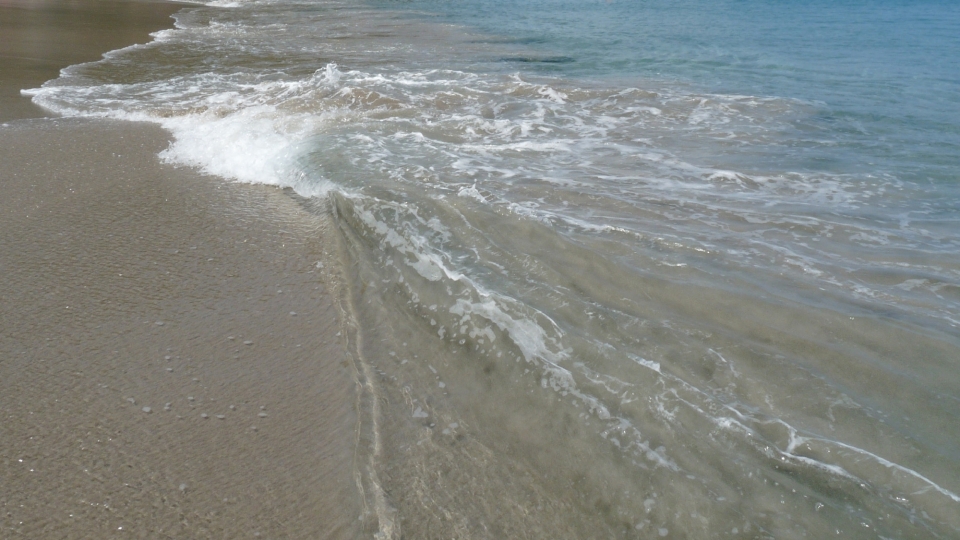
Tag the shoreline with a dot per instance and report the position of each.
(185, 356)
(43, 37)
(171, 359)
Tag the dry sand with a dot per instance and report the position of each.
(135, 298)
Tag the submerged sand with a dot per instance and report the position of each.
(170, 359)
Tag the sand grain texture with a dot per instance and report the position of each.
(136, 297)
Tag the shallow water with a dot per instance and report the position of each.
(625, 269)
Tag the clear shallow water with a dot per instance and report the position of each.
(630, 269)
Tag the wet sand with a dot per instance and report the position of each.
(40, 37)
(170, 364)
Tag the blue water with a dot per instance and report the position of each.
(885, 74)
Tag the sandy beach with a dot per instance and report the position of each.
(323, 269)
(170, 365)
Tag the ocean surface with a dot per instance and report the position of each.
(628, 268)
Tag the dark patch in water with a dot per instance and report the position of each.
(539, 60)
(515, 41)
